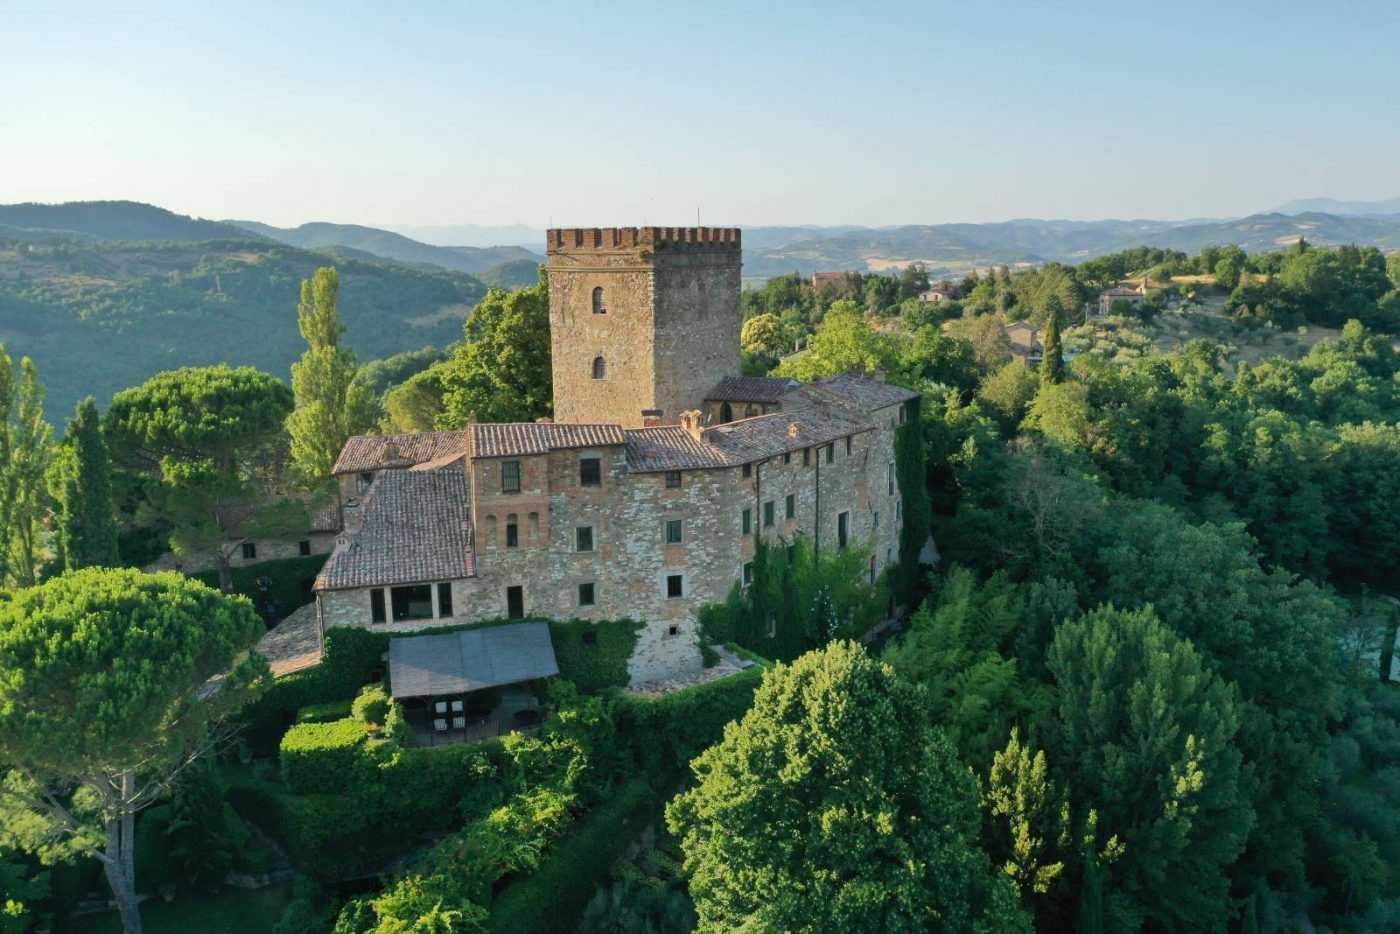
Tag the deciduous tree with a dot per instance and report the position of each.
(330, 405)
(833, 805)
(501, 371)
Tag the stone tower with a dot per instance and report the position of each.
(643, 320)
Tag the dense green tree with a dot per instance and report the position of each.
(953, 649)
(761, 333)
(1008, 392)
(1052, 361)
(23, 473)
(833, 805)
(377, 377)
(85, 516)
(500, 372)
(213, 436)
(330, 405)
(103, 703)
(1144, 735)
(1025, 816)
(417, 403)
(843, 342)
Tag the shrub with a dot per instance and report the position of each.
(324, 712)
(553, 898)
(288, 583)
(371, 707)
(318, 757)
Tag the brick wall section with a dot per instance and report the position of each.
(671, 327)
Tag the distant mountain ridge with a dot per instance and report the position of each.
(1340, 208)
(389, 245)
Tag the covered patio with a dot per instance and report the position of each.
(463, 686)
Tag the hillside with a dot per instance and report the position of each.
(955, 248)
(389, 245)
(99, 316)
(107, 220)
(1334, 206)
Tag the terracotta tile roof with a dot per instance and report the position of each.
(416, 527)
(671, 447)
(751, 389)
(378, 452)
(509, 439)
(868, 394)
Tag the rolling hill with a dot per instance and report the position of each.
(107, 220)
(98, 315)
(389, 245)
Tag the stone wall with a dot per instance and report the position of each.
(631, 559)
(321, 543)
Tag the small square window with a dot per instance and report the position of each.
(790, 506)
(590, 471)
(843, 529)
(748, 521)
(848, 445)
(444, 599)
(674, 531)
(748, 573)
(512, 533)
(768, 514)
(304, 547)
(876, 523)
(806, 456)
(585, 598)
(583, 538)
(510, 476)
(673, 479)
(376, 605)
(250, 551)
(675, 586)
(747, 470)
(831, 452)
(673, 630)
(787, 457)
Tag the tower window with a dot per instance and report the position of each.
(673, 479)
(586, 598)
(599, 308)
(600, 368)
(510, 476)
(675, 586)
(590, 471)
(674, 532)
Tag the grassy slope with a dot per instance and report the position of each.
(100, 316)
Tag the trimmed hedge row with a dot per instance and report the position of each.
(555, 895)
(324, 713)
(321, 757)
(667, 732)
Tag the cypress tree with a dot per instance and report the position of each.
(1052, 362)
(87, 528)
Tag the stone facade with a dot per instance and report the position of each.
(264, 549)
(583, 519)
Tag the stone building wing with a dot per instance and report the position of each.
(416, 527)
(517, 439)
(366, 453)
(751, 389)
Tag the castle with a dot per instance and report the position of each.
(647, 494)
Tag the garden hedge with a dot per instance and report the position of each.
(324, 713)
(554, 896)
(667, 732)
(322, 757)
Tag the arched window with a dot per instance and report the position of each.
(598, 307)
(600, 368)
(726, 413)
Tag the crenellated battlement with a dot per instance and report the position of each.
(614, 239)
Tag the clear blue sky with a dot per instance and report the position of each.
(757, 113)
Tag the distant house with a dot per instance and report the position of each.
(828, 281)
(1133, 295)
(1025, 342)
(940, 291)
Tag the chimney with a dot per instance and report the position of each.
(391, 451)
(651, 418)
(691, 422)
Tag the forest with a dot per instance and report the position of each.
(1145, 686)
